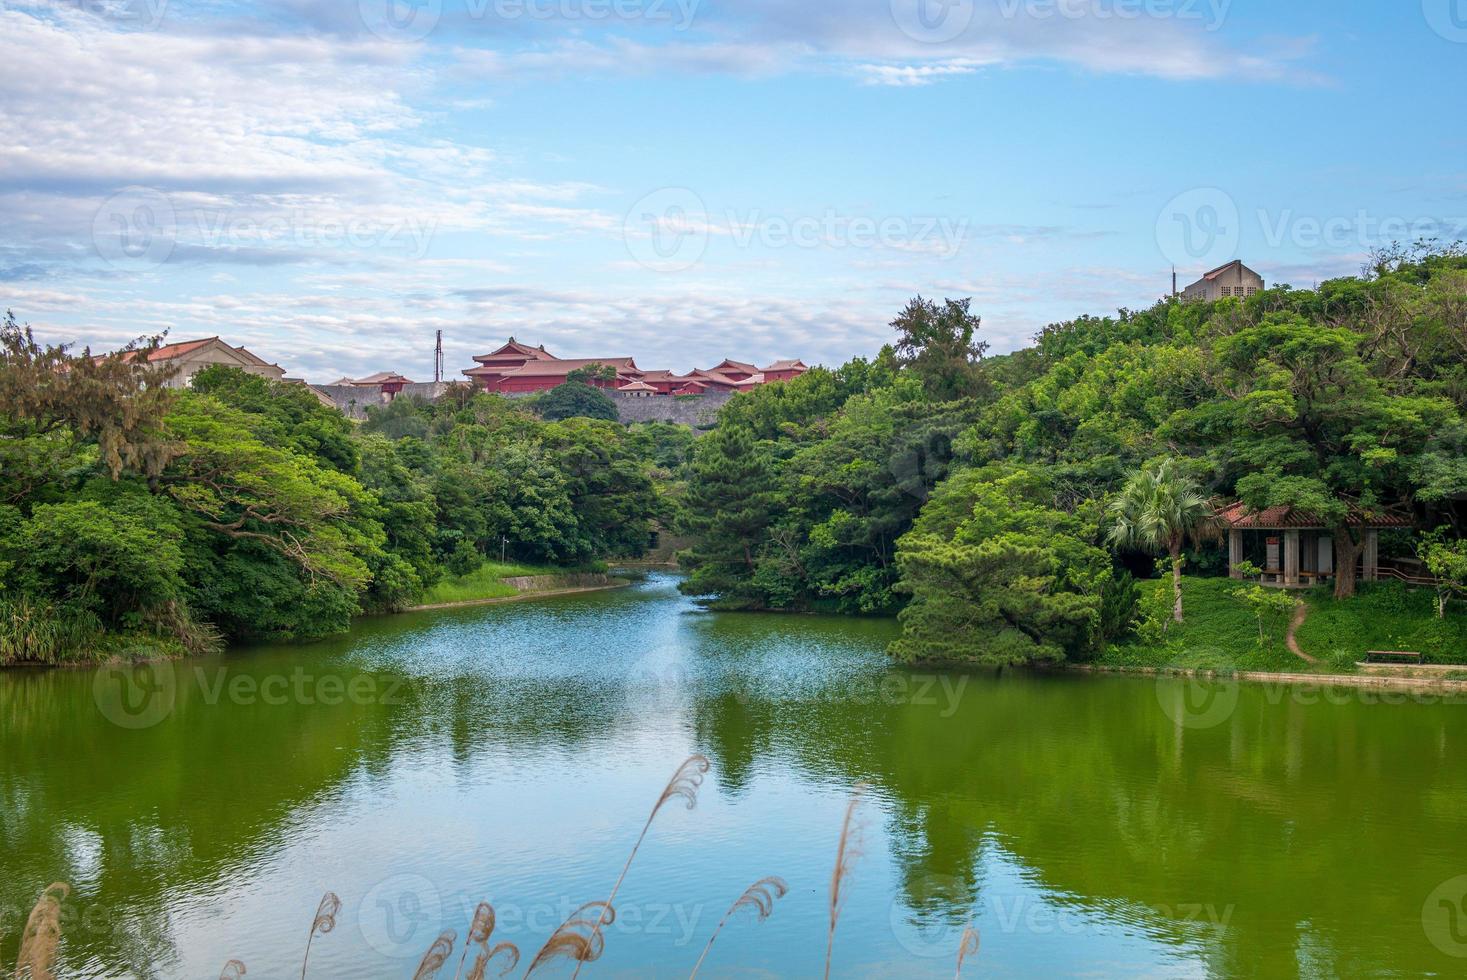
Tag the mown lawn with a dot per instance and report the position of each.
(485, 583)
(1222, 632)
(1384, 616)
(1218, 632)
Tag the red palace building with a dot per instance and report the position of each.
(518, 367)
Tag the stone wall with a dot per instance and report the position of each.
(697, 411)
(353, 401)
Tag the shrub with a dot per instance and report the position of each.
(37, 631)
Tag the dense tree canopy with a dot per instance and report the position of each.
(576, 399)
(974, 490)
(136, 516)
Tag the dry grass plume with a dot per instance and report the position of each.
(42, 935)
(479, 932)
(323, 923)
(578, 937)
(682, 786)
(436, 956)
(760, 896)
(845, 856)
(967, 946)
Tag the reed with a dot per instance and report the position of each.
(436, 956)
(760, 896)
(578, 937)
(481, 960)
(682, 786)
(480, 930)
(323, 923)
(233, 970)
(967, 946)
(42, 935)
(845, 856)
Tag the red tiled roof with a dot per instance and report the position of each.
(736, 365)
(560, 367)
(1239, 516)
(169, 351)
(514, 350)
(795, 365)
(637, 386)
(380, 378)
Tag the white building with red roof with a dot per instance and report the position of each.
(189, 357)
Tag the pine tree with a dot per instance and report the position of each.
(730, 506)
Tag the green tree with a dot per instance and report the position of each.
(285, 414)
(592, 373)
(576, 399)
(115, 564)
(730, 506)
(1270, 606)
(1446, 559)
(938, 345)
(999, 576)
(1158, 510)
(117, 401)
(1311, 425)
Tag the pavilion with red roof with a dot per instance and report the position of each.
(1294, 547)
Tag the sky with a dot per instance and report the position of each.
(330, 182)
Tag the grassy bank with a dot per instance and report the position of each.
(1221, 632)
(488, 582)
(1384, 616)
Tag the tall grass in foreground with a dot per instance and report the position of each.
(323, 923)
(684, 785)
(845, 855)
(480, 929)
(42, 935)
(967, 946)
(760, 896)
(37, 631)
(580, 938)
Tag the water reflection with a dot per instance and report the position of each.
(510, 753)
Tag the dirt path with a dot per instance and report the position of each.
(1291, 641)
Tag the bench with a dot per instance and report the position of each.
(1393, 657)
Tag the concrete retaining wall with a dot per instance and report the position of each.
(574, 580)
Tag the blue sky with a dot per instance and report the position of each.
(331, 182)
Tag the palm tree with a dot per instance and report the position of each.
(1158, 510)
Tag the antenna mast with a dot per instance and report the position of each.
(438, 359)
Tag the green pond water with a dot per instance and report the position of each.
(1088, 826)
